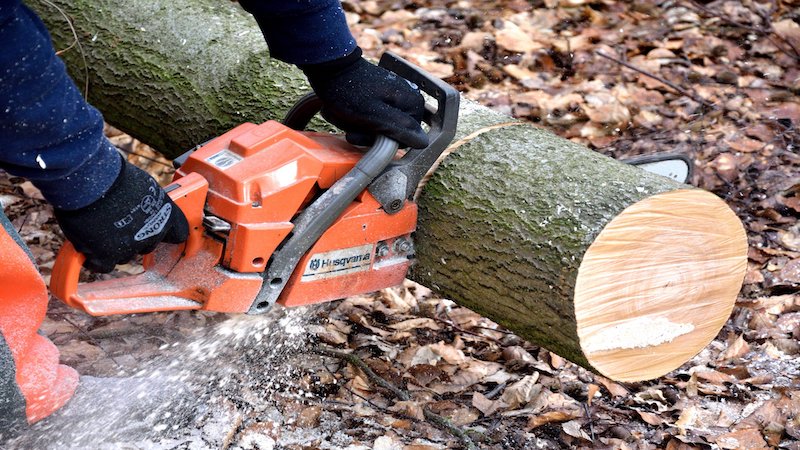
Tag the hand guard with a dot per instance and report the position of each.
(365, 100)
(133, 217)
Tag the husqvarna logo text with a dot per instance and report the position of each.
(338, 262)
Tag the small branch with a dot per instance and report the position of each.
(149, 158)
(91, 339)
(432, 417)
(589, 419)
(449, 322)
(149, 330)
(674, 86)
(766, 32)
(358, 362)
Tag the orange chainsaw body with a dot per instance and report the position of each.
(282, 216)
(240, 193)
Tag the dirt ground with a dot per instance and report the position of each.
(715, 81)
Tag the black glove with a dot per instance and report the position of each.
(134, 216)
(366, 100)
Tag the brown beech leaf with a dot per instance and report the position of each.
(475, 371)
(485, 406)
(522, 392)
(552, 417)
(574, 429)
(413, 324)
(463, 416)
(788, 29)
(790, 272)
(749, 438)
(687, 419)
(519, 73)
(515, 352)
(651, 418)
(411, 408)
(592, 391)
(511, 37)
(425, 355)
(604, 108)
(449, 353)
(726, 166)
(788, 322)
(790, 238)
(615, 389)
(744, 144)
(652, 397)
(715, 377)
(425, 373)
(736, 349)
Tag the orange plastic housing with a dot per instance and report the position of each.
(259, 177)
(262, 177)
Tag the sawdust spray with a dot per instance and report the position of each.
(196, 394)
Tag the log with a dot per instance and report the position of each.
(626, 273)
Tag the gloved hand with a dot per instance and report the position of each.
(133, 217)
(366, 100)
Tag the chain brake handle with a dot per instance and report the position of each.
(399, 181)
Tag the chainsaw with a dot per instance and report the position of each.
(280, 215)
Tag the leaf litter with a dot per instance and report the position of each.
(257, 386)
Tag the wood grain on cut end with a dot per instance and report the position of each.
(658, 283)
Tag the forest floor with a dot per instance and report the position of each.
(717, 82)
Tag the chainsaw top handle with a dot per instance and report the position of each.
(399, 180)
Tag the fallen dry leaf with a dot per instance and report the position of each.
(551, 417)
(749, 439)
(737, 349)
(512, 37)
(413, 324)
(485, 406)
(522, 392)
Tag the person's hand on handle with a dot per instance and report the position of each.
(365, 100)
(131, 218)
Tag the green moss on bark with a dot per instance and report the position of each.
(505, 222)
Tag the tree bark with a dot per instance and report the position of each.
(624, 272)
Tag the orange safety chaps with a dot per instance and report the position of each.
(32, 382)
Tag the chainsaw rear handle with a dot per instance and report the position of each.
(399, 180)
(189, 195)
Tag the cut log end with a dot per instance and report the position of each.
(658, 283)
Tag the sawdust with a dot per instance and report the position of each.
(637, 333)
(199, 390)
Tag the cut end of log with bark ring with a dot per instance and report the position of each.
(658, 283)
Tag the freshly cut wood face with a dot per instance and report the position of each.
(658, 283)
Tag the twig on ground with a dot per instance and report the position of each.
(453, 325)
(663, 80)
(92, 340)
(589, 419)
(766, 32)
(496, 391)
(432, 417)
(149, 330)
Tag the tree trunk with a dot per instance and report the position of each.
(624, 272)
